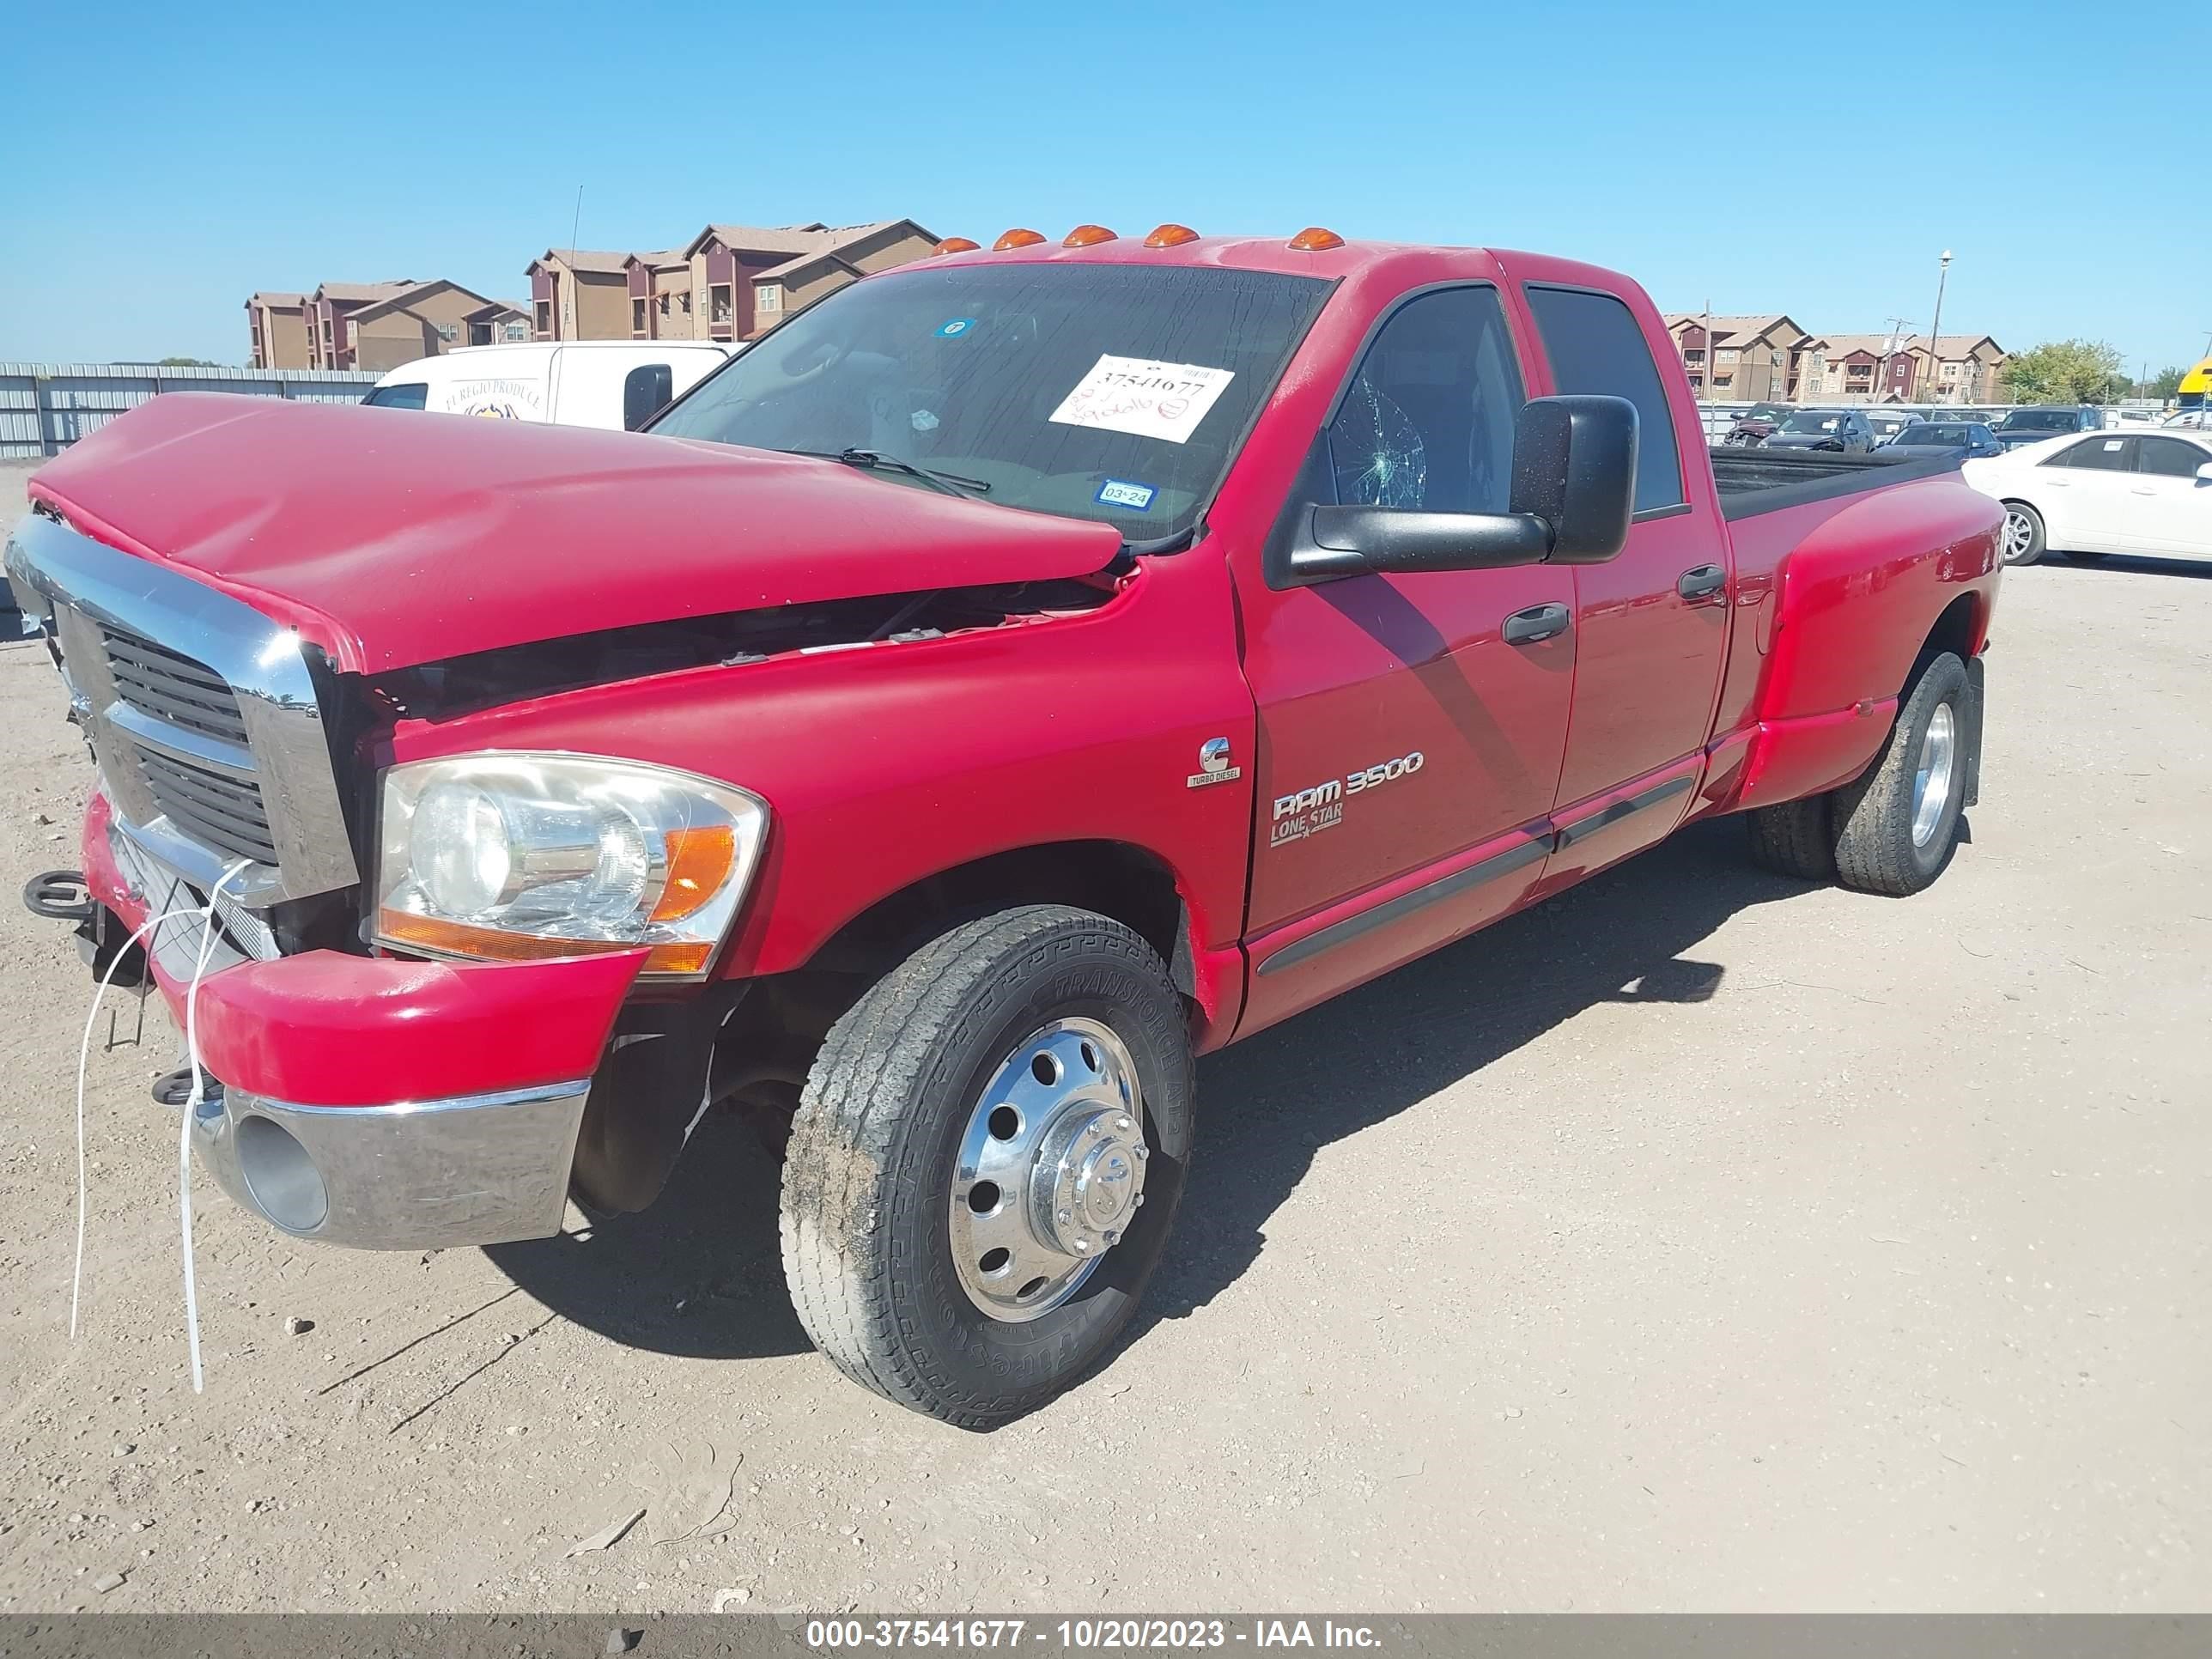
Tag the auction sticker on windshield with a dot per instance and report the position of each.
(1144, 398)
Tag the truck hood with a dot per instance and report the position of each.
(390, 537)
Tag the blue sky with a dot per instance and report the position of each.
(183, 156)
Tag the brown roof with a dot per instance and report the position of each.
(608, 261)
(1950, 347)
(667, 258)
(362, 290)
(798, 242)
(791, 267)
(407, 296)
(277, 301)
(516, 307)
(1736, 331)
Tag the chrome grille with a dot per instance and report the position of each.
(170, 686)
(217, 810)
(203, 712)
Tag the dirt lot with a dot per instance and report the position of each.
(1702, 1241)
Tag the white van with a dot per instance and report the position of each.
(614, 384)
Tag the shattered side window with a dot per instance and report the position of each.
(1427, 421)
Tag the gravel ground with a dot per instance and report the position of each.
(1700, 1241)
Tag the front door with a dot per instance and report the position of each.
(2171, 507)
(2084, 492)
(1410, 727)
(1650, 624)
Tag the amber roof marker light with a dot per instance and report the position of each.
(1314, 240)
(1017, 238)
(1171, 236)
(955, 245)
(1087, 236)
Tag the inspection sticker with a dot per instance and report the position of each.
(954, 328)
(1144, 398)
(1120, 492)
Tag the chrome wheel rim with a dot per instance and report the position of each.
(1050, 1172)
(1931, 774)
(2018, 535)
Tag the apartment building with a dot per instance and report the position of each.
(1960, 368)
(276, 326)
(1770, 359)
(728, 282)
(1754, 359)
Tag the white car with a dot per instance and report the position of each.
(2094, 493)
(613, 384)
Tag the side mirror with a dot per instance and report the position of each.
(2204, 473)
(1572, 498)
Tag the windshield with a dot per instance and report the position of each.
(1885, 424)
(1113, 392)
(1764, 413)
(407, 394)
(2040, 420)
(1814, 420)
(1937, 435)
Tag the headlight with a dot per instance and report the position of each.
(510, 857)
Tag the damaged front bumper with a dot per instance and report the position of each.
(377, 1101)
(413, 1174)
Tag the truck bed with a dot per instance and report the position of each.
(1755, 481)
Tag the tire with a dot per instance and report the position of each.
(2023, 539)
(884, 1156)
(1877, 850)
(1794, 838)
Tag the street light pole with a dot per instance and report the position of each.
(1936, 330)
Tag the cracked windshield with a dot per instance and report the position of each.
(1090, 391)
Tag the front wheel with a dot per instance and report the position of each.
(985, 1161)
(2024, 542)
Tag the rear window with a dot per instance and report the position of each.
(2170, 457)
(2041, 419)
(408, 394)
(1596, 347)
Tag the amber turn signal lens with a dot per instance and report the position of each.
(1171, 236)
(1017, 238)
(677, 958)
(457, 939)
(956, 245)
(1086, 236)
(698, 861)
(1314, 240)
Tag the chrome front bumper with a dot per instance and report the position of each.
(475, 1169)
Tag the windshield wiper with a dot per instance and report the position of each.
(874, 461)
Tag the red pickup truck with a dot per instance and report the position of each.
(1020, 672)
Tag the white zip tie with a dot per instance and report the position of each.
(185, 1125)
(83, 1060)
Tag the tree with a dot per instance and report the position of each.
(189, 362)
(2066, 372)
(2166, 384)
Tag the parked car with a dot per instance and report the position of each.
(1020, 672)
(1847, 431)
(1957, 440)
(1888, 423)
(2034, 424)
(2148, 493)
(1756, 424)
(615, 384)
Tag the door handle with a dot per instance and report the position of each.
(1538, 622)
(1705, 578)
(2142, 489)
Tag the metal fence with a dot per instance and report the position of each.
(46, 407)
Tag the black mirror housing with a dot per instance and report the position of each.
(1572, 498)
(1574, 466)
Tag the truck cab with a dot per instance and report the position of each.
(1017, 674)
